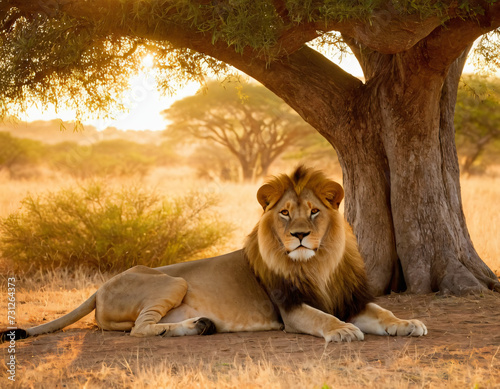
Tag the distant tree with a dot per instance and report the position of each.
(247, 119)
(214, 162)
(477, 118)
(314, 149)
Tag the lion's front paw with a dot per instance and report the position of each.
(346, 332)
(407, 328)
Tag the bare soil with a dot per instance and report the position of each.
(465, 330)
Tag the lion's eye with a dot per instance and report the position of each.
(314, 211)
(285, 212)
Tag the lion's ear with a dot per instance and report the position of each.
(332, 194)
(268, 195)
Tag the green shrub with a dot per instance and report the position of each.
(19, 155)
(108, 229)
(113, 158)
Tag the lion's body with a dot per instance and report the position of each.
(300, 269)
(225, 290)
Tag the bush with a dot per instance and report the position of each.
(113, 158)
(97, 227)
(19, 156)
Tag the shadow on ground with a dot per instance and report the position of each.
(465, 330)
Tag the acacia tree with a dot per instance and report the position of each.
(477, 118)
(393, 132)
(249, 121)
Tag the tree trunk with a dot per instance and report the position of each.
(402, 186)
(367, 185)
(246, 170)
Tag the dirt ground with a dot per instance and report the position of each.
(461, 329)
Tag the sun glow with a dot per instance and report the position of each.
(144, 104)
(148, 61)
(142, 101)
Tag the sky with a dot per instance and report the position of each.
(144, 102)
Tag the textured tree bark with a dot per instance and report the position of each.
(401, 179)
(366, 176)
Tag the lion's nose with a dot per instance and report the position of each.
(300, 235)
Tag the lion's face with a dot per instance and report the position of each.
(301, 226)
(300, 223)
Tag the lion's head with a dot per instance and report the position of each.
(301, 243)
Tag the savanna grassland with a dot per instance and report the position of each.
(461, 350)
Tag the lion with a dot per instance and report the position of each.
(299, 271)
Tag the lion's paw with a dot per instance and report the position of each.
(205, 326)
(407, 328)
(346, 332)
(195, 326)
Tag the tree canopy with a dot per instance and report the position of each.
(80, 54)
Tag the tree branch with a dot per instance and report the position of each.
(388, 31)
(445, 44)
(301, 71)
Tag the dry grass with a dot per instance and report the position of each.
(12, 192)
(480, 197)
(403, 371)
(45, 296)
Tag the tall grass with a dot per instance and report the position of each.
(480, 196)
(103, 228)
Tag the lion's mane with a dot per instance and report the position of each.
(334, 280)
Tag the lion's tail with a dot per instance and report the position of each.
(83, 310)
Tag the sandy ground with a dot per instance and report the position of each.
(462, 330)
